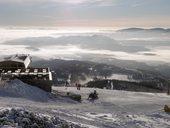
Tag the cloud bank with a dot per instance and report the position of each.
(48, 44)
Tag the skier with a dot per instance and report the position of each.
(168, 92)
(78, 86)
(66, 84)
(93, 96)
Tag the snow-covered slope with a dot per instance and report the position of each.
(121, 109)
(113, 109)
(18, 89)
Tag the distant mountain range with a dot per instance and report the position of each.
(92, 42)
(162, 30)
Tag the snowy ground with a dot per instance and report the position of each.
(113, 109)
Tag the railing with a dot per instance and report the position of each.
(40, 73)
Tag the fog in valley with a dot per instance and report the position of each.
(149, 46)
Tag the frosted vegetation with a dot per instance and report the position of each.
(20, 118)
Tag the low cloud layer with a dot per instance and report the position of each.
(74, 52)
(96, 45)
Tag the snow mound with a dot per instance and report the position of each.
(18, 89)
(18, 117)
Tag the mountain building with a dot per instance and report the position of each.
(18, 67)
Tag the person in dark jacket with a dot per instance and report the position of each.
(93, 95)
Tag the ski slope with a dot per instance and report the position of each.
(113, 109)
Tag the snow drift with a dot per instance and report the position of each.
(18, 89)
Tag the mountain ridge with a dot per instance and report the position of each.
(164, 30)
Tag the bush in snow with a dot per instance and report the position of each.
(20, 118)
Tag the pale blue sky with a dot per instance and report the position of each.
(99, 13)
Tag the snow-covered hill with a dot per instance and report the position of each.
(113, 109)
(18, 89)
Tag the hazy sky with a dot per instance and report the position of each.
(97, 13)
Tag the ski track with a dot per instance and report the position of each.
(113, 109)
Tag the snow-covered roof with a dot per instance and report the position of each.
(17, 58)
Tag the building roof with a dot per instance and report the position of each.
(17, 58)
